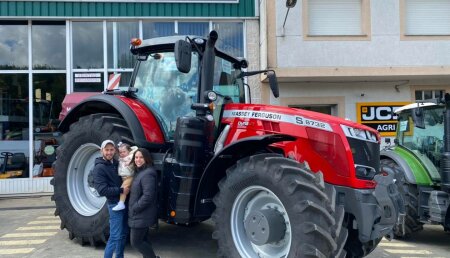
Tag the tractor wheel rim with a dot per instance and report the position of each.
(250, 200)
(84, 199)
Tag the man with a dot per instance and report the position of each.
(108, 183)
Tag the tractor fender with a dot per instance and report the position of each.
(227, 157)
(107, 104)
(409, 175)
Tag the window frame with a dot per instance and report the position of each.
(365, 25)
(404, 36)
(445, 88)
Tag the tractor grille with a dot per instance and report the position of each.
(365, 153)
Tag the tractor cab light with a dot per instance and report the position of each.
(136, 42)
(212, 106)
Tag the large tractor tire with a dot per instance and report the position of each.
(410, 196)
(271, 206)
(81, 210)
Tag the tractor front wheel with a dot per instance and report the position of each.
(410, 195)
(271, 206)
(81, 210)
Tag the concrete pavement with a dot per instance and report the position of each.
(28, 228)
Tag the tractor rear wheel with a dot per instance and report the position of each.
(271, 206)
(410, 194)
(81, 210)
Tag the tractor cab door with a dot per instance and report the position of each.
(170, 93)
(425, 138)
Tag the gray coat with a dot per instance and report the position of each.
(142, 206)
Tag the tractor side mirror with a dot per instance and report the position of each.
(418, 118)
(183, 51)
(273, 82)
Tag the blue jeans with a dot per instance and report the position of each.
(118, 232)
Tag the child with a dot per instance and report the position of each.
(126, 170)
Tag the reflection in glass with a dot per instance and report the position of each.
(49, 46)
(158, 29)
(418, 94)
(14, 126)
(87, 41)
(109, 43)
(193, 28)
(126, 31)
(13, 46)
(48, 93)
(231, 37)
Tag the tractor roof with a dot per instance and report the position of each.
(414, 105)
(165, 40)
(167, 44)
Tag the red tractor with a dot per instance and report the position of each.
(276, 181)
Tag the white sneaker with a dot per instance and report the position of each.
(119, 206)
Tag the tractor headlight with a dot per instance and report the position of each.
(359, 134)
(211, 95)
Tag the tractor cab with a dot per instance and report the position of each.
(421, 131)
(171, 92)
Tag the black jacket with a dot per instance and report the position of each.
(107, 181)
(142, 206)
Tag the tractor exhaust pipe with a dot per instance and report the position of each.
(445, 158)
(208, 62)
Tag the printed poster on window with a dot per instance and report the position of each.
(379, 116)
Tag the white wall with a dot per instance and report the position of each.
(373, 92)
(385, 48)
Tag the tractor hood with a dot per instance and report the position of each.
(290, 119)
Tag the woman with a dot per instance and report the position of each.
(142, 211)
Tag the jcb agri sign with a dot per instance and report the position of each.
(379, 115)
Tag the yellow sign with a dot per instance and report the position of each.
(379, 115)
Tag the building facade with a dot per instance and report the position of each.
(357, 59)
(51, 48)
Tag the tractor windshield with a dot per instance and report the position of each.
(426, 142)
(170, 93)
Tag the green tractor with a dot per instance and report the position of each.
(420, 160)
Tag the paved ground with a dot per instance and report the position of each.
(29, 229)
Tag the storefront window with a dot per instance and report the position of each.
(13, 45)
(231, 37)
(193, 28)
(87, 41)
(14, 126)
(48, 93)
(125, 31)
(49, 45)
(158, 29)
